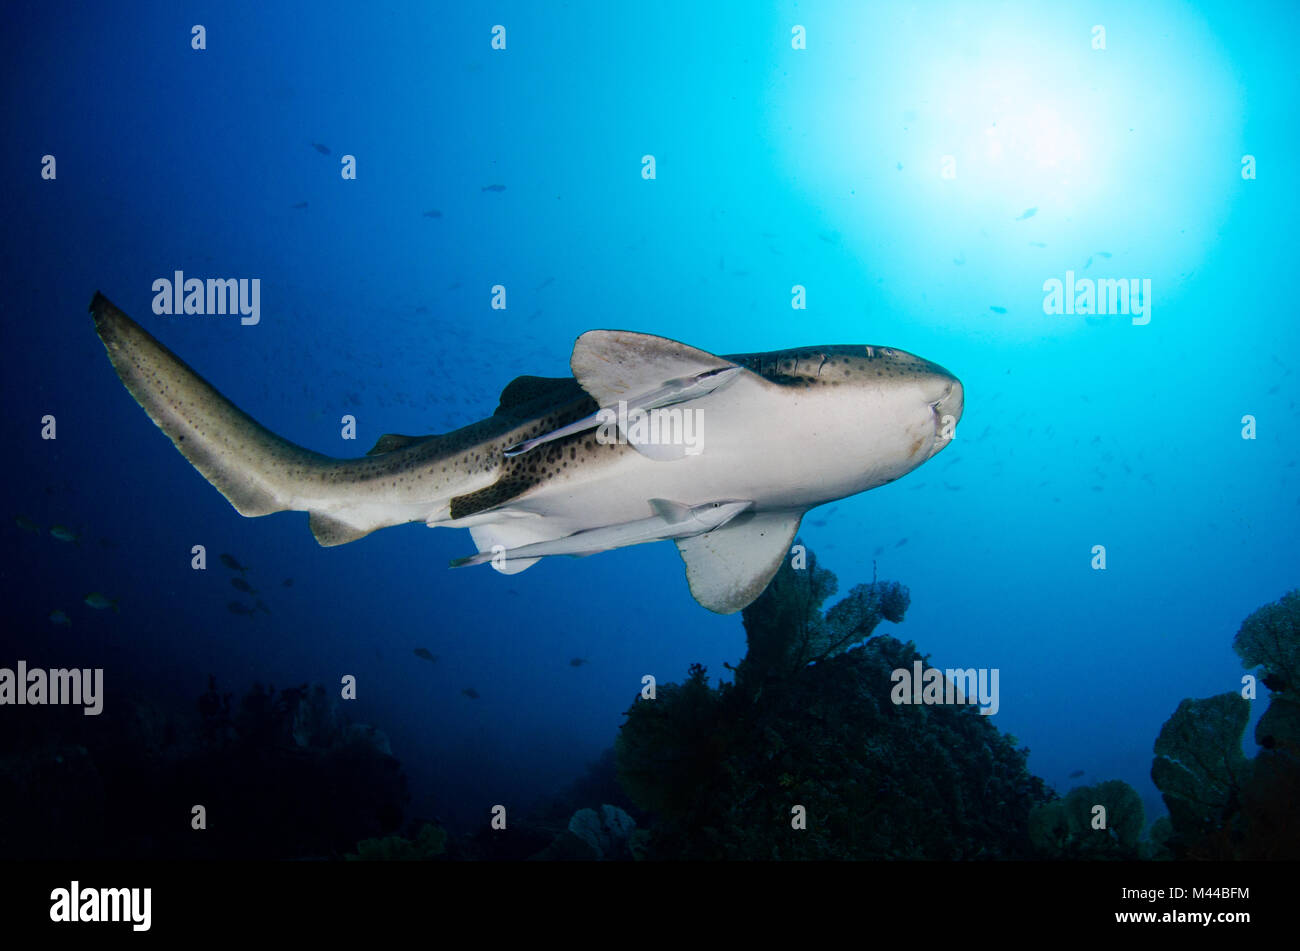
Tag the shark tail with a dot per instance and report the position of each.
(257, 471)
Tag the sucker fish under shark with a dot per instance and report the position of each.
(649, 439)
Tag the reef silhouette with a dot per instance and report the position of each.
(808, 722)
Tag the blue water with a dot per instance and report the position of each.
(822, 167)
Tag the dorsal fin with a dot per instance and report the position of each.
(615, 364)
(527, 396)
(389, 442)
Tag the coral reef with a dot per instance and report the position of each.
(808, 729)
(1075, 828)
(279, 773)
(1221, 804)
(429, 843)
(1270, 638)
(1199, 767)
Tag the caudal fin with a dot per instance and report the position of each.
(256, 470)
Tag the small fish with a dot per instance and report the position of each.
(432, 213)
(27, 525)
(261, 606)
(1103, 254)
(423, 653)
(471, 693)
(901, 542)
(287, 582)
(322, 149)
(232, 563)
(1038, 244)
(577, 661)
(1076, 774)
(959, 260)
(63, 533)
(238, 607)
(493, 188)
(58, 616)
(899, 166)
(996, 309)
(1088, 263)
(1029, 213)
(300, 205)
(99, 602)
(241, 585)
(546, 283)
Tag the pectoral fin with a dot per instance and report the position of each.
(730, 566)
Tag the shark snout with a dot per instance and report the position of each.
(947, 409)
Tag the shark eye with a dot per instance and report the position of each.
(886, 352)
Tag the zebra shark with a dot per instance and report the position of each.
(608, 451)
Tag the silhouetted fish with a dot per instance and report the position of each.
(241, 585)
(232, 563)
(322, 149)
(301, 204)
(901, 542)
(471, 693)
(432, 213)
(493, 188)
(1040, 244)
(424, 654)
(287, 582)
(238, 607)
(99, 602)
(1076, 774)
(996, 309)
(1028, 213)
(577, 661)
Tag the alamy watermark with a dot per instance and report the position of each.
(931, 685)
(1100, 296)
(76, 904)
(36, 686)
(216, 296)
(664, 426)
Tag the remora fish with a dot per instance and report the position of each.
(670, 394)
(793, 430)
(671, 520)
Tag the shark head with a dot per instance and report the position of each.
(915, 389)
(887, 410)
